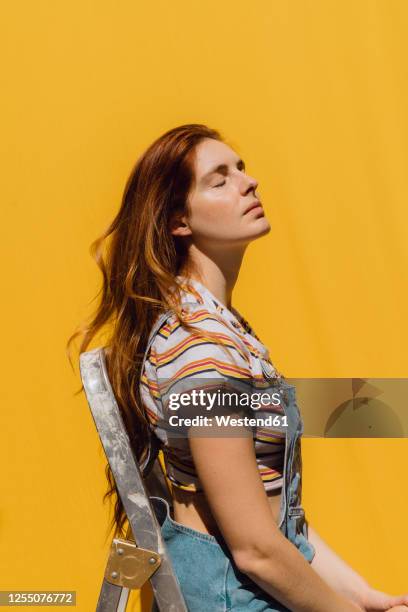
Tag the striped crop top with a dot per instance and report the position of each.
(177, 355)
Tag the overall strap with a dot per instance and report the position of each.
(154, 444)
(159, 322)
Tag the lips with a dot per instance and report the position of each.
(255, 204)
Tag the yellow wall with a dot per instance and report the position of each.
(313, 95)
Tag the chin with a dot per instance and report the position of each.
(262, 227)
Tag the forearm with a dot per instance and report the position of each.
(335, 571)
(284, 573)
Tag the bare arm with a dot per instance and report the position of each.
(335, 571)
(230, 478)
(348, 582)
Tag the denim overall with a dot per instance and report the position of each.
(209, 578)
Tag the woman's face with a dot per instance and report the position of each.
(218, 202)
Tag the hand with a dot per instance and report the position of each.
(375, 601)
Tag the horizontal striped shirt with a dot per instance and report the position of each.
(179, 360)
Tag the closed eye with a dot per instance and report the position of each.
(220, 184)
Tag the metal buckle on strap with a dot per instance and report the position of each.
(267, 368)
(296, 511)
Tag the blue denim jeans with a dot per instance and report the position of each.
(209, 579)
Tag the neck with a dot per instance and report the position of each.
(219, 274)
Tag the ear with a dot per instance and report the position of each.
(179, 225)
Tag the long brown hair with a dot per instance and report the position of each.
(139, 266)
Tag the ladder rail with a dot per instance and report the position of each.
(131, 486)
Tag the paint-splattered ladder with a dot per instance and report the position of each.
(142, 557)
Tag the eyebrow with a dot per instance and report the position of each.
(221, 169)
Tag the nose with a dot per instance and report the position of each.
(250, 183)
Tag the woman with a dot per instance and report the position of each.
(238, 538)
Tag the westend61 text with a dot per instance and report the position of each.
(228, 421)
(200, 397)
